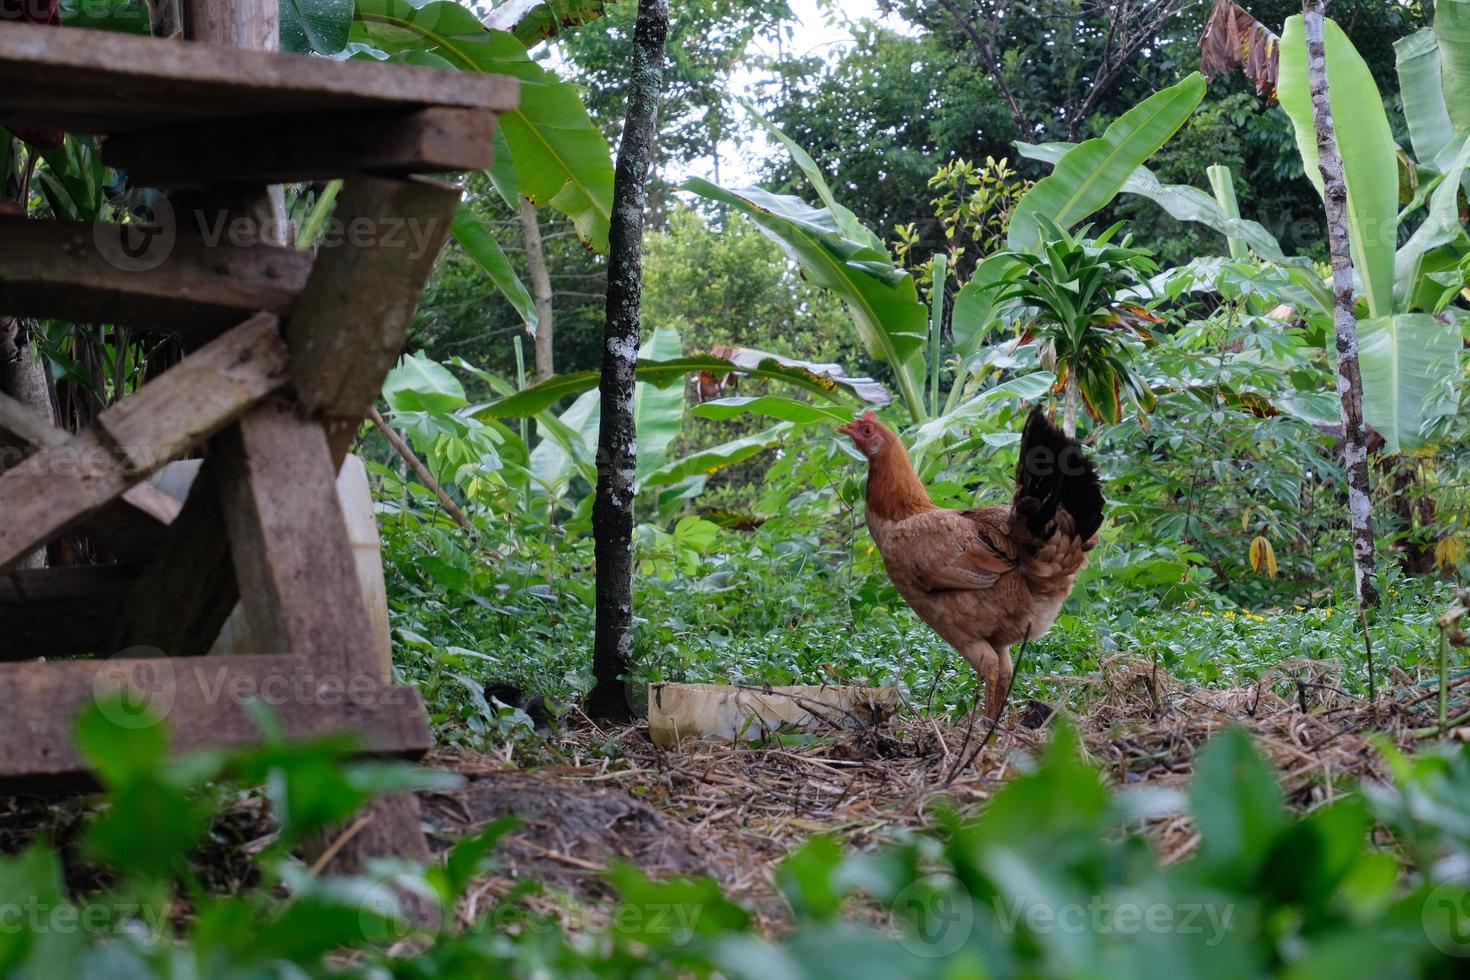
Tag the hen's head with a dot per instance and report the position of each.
(868, 434)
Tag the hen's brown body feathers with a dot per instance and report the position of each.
(987, 578)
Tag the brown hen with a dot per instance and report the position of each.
(988, 577)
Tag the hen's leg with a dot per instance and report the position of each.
(995, 698)
(987, 664)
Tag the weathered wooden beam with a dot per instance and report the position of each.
(62, 485)
(288, 538)
(353, 317)
(168, 278)
(277, 150)
(105, 83)
(184, 595)
(54, 612)
(128, 530)
(203, 701)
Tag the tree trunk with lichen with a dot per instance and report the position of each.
(617, 446)
(540, 289)
(1349, 377)
(616, 441)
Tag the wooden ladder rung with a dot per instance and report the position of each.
(158, 280)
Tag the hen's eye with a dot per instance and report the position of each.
(867, 430)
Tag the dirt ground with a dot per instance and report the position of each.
(734, 811)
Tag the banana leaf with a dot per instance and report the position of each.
(976, 309)
(846, 220)
(1181, 201)
(536, 20)
(561, 158)
(1091, 174)
(1027, 387)
(1411, 367)
(882, 298)
(663, 374)
(1452, 30)
(1417, 60)
(480, 245)
(770, 406)
(1440, 227)
(658, 412)
(1369, 154)
(716, 458)
(321, 26)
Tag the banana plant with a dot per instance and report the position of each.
(568, 441)
(1410, 359)
(838, 253)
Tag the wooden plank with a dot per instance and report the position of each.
(297, 575)
(185, 594)
(202, 700)
(58, 487)
(272, 151)
(162, 279)
(209, 389)
(353, 316)
(27, 432)
(129, 529)
(105, 83)
(54, 612)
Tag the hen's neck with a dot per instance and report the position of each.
(894, 489)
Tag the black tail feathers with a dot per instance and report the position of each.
(1055, 473)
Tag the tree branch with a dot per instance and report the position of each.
(987, 60)
(420, 470)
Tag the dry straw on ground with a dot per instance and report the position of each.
(734, 811)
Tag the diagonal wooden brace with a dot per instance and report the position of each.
(60, 486)
(352, 319)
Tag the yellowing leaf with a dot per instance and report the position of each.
(1449, 552)
(1263, 555)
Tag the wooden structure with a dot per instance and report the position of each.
(288, 353)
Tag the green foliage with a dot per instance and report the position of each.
(1369, 164)
(882, 298)
(1053, 879)
(1090, 175)
(561, 160)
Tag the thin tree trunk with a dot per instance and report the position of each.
(617, 446)
(1071, 399)
(540, 289)
(1349, 379)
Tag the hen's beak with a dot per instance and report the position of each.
(845, 429)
